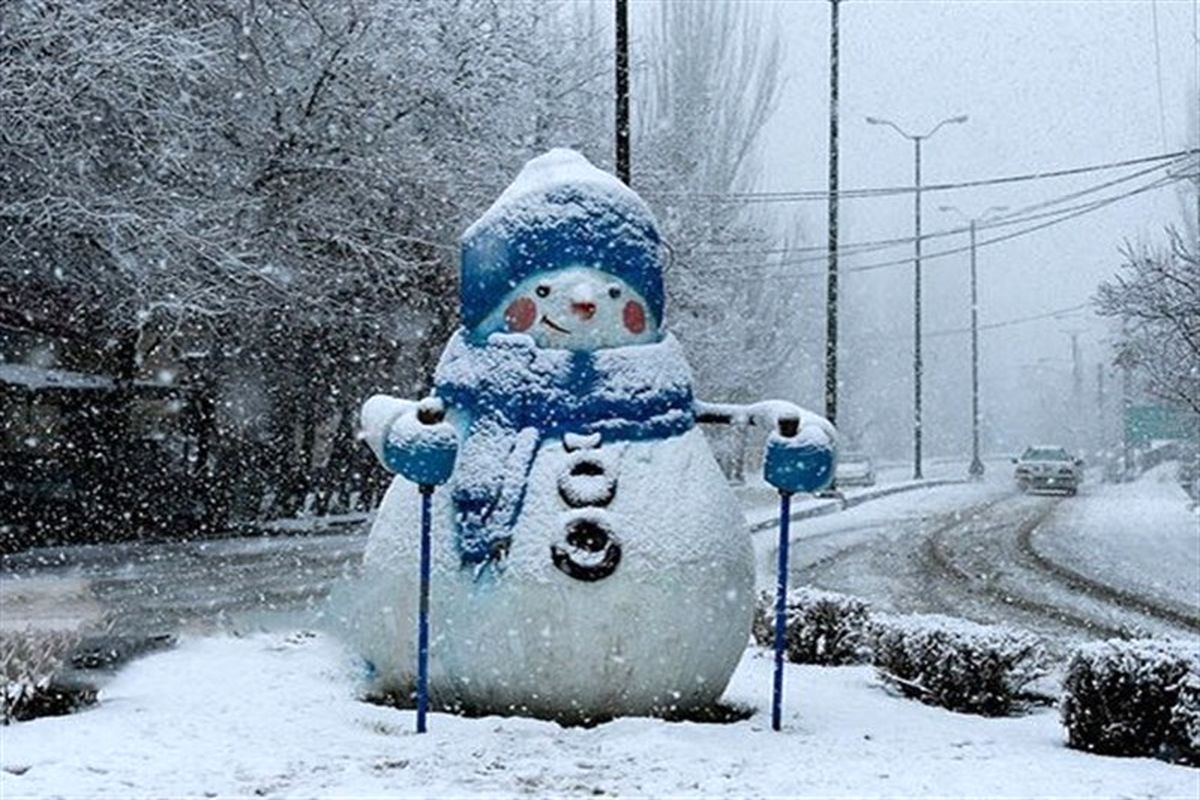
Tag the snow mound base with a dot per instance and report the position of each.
(1135, 698)
(957, 664)
(278, 716)
(821, 627)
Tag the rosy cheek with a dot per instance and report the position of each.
(635, 317)
(520, 314)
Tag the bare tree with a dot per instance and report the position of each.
(706, 92)
(1157, 296)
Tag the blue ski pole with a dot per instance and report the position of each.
(785, 512)
(423, 611)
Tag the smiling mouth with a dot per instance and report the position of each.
(549, 323)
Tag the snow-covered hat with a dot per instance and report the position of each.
(560, 212)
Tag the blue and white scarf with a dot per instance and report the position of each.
(513, 396)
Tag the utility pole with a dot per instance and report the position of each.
(1126, 404)
(831, 289)
(917, 364)
(622, 12)
(975, 471)
(1076, 389)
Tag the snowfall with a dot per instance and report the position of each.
(279, 713)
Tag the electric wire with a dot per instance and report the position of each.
(802, 195)
(1057, 218)
(1016, 216)
(1008, 323)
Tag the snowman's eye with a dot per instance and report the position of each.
(614, 291)
(542, 290)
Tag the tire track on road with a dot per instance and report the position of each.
(1025, 556)
(936, 551)
(1094, 588)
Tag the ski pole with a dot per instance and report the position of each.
(423, 611)
(785, 512)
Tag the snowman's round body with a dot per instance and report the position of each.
(588, 557)
(564, 628)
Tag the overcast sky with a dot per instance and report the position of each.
(1047, 85)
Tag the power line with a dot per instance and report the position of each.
(1058, 217)
(804, 195)
(1014, 217)
(1056, 313)
(1086, 209)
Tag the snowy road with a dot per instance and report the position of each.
(1115, 558)
(1048, 563)
(1137, 535)
(146, 589)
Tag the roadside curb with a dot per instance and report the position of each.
(843, 503)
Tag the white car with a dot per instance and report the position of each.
(1048, 467)
(854, 469)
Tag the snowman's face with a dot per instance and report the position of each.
(577, 308)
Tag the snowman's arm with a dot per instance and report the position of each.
(801, 448)
(772, 414)
(410, 438)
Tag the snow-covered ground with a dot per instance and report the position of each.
(1139, 535)
(276, 715)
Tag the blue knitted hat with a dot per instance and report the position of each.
(560, 212)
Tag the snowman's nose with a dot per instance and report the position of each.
(584, 310)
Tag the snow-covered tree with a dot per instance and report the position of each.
(1157, 296)
(104, 152)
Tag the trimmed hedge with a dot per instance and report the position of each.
(822, 627)
(1134, 698)
(957, 664)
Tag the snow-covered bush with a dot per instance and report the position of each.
(957, 664)
(1134, 698)
(822, 627)
(1185, 720)
(29, 662)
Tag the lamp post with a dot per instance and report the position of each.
(975, 471)
(916, 140)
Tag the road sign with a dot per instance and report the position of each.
(1144, 424)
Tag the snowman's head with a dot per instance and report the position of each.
(568, 255)
(575, 308)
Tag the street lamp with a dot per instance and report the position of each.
(916, 140)
(975, 471)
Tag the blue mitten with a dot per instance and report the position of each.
(422, 451)
(800, 463)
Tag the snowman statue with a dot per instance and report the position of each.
(589, 559)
